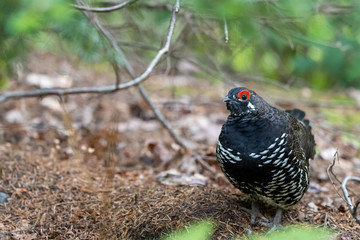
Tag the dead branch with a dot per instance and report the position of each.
(118, 86)
(345, 196)
(104, 9)
(103, 89)
(200, 160)
(352, 209)
(332, 175)
(160, 117)
(131, 72)
(103, 31)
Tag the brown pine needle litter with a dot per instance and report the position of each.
(48, 200)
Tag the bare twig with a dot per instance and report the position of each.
(160, 117)
(345, 196)
(200, 160)
(103, 31)
(131, 71)
(352, 209)
(105, 9)
(117, 74)
(103, 89)
(118, 85)
(332, 175)
(24, 230)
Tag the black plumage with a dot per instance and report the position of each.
(264, 151)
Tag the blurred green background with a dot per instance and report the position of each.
(303, 43)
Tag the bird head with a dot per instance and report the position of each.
(241, 101)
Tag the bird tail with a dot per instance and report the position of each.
(300, 115)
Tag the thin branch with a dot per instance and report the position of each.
(200, 160)
(131, 72)
(103, 31)
(160, 117)
(103, 89)
(345, 196)
(104, 9)
(352, 209)
(117, 86)
(117, 74)
(332, 175)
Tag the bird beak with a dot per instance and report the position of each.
(226, 99)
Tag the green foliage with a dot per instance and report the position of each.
(197, 231)
(204, 229)
(20, 21)
(317, 41)
(32, 16)
(53, 23)
(295, 233)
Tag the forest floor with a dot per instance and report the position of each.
(101, 166)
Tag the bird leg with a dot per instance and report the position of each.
(276, 221)
(254, 213)
(277, 218)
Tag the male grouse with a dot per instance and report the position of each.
(265, 152)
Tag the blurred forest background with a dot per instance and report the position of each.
(303, 43)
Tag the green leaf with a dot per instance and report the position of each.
(296, 233)
(197, 231)
(24, 22)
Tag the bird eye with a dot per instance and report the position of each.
(244, 95)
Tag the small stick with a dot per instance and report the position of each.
(205, 164)
(102, 89)
(352, 209)
(331, 173)
(345, 196)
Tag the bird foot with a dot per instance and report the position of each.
(255, 213)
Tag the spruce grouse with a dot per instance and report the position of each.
(265, 152)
